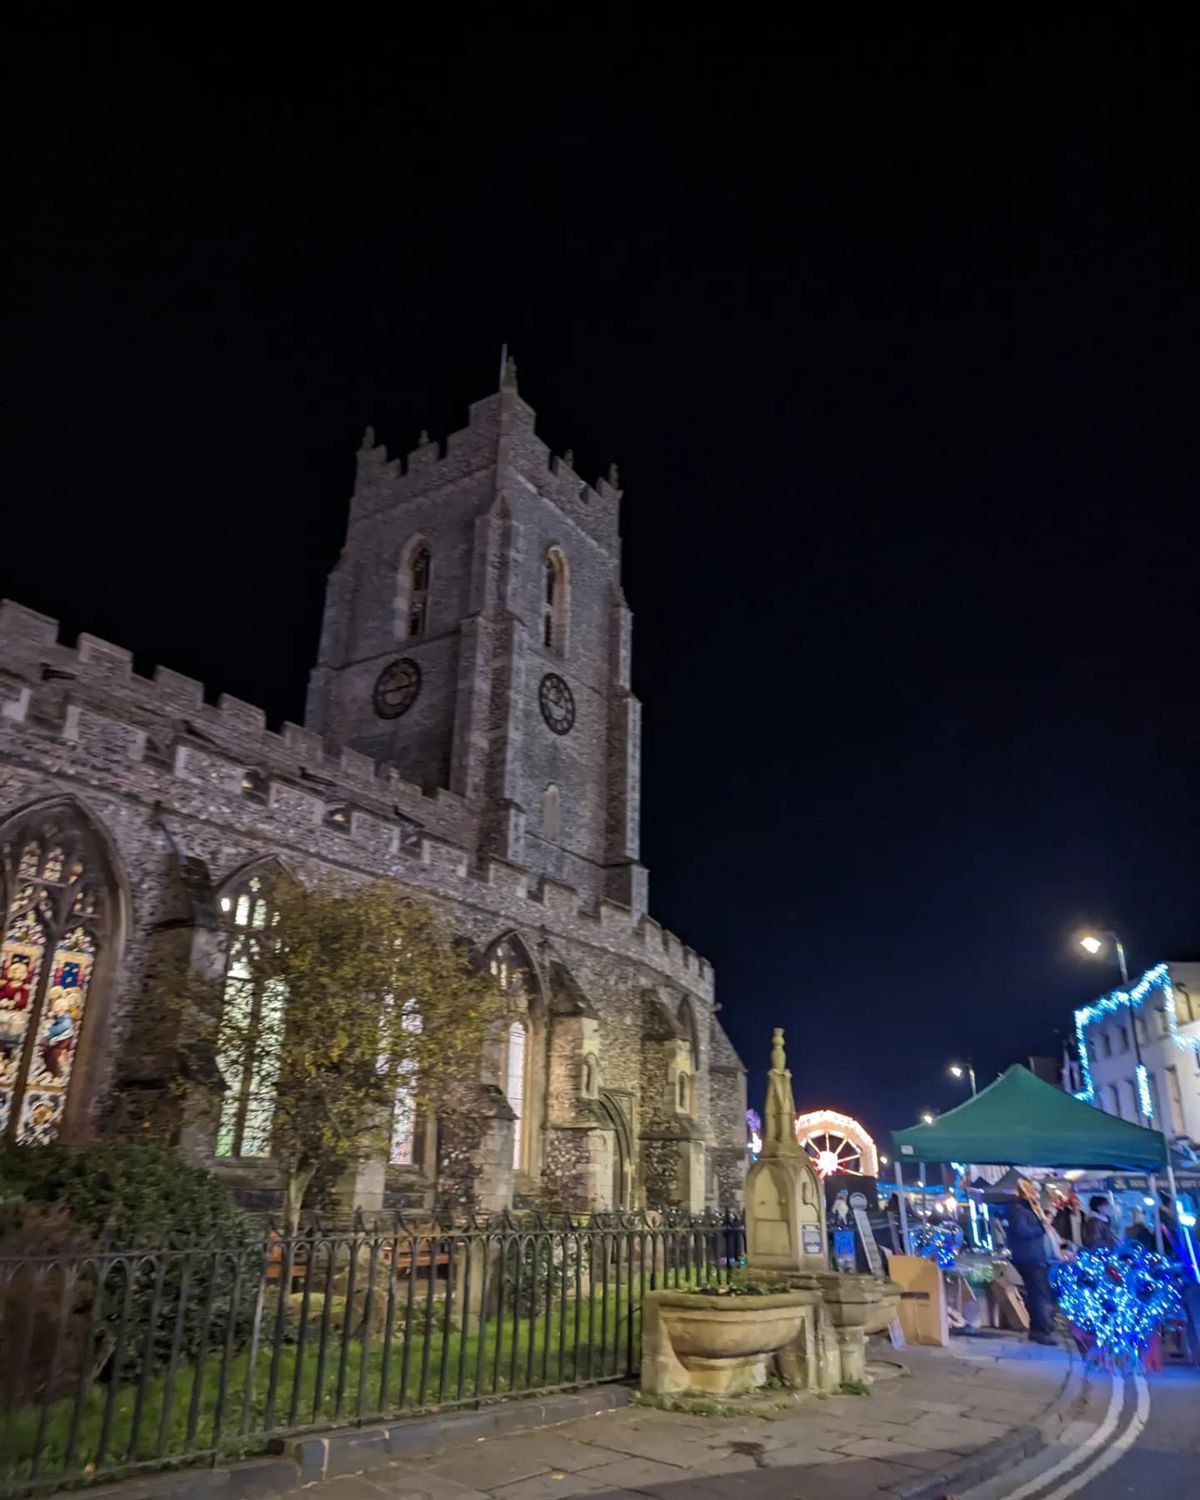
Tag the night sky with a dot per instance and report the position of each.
(895, 343)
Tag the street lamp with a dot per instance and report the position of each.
(1093, 943)
(958, 1069)
(926, 1118)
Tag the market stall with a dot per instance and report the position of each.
(1021, 1120)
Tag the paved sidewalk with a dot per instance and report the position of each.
(922, 1422)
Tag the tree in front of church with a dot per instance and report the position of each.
(343, 1010)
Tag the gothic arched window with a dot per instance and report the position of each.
(413, 601)
(403, 1145)
(252, 1025)
(555, 603)
(514, 1086)
(58, 901)
(512, 968)
(551, 813)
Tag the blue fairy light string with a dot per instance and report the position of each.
(939, 1242)
(1121, 1297)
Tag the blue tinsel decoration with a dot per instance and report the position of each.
(939, 1242)
(1119, 1296)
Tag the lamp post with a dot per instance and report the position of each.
(1093, 943)
(958, 1069)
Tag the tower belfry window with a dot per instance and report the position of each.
(418, 598)
(555, 602)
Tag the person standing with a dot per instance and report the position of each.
(1098, 1232)
(1069, 1220)
(1028, 1233)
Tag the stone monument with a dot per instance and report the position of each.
(785, 1206)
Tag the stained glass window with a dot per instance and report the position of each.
(254, 1021)
(54, 926)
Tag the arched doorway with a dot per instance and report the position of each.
(622, 1156)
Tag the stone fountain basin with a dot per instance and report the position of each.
(732, 1326)
(719, 1345)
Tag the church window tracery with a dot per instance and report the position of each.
(253, 1026)
(56, 923)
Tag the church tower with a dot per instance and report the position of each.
(475, 636)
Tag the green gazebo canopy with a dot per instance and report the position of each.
(1019, 1119)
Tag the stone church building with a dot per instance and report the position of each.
(470, 733)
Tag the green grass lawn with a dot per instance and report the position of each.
(229, 1401)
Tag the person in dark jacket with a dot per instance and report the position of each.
(1098, 1232)
(1069, 1221)
(1027, 1231)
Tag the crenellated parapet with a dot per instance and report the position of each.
(500, 433)
(82, 713)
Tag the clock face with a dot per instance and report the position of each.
(557, 704)
(397, 688)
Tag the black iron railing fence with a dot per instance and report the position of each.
(117, 1361)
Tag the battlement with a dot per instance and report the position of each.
(92, 692)
(500, 434)
(117, 727)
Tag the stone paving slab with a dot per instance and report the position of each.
(942, 1409)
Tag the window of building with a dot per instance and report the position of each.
(1106, 1037)
(255, 786)
(555, 603)
(684, 1094)
(412, 601)
(1131, 1095)
(514, 1085)
(252, 1026)
(55, 926)
(1174, 1102)
(1114, 1099)
(550, 814)
(403, 1145)
(591, 1077)
(516, 1055)
(1160, 1015)
(1124, 1036)
(337, 817)
(1139, 1027)
(1155, 1106)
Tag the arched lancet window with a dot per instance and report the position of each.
(57, 918)
(403, 1148)
(253, 1027)
(685, 1093)
(413, 601)
(255, 786)
(555, 602)
(512, 968)
(551, 813)
(591, 1076)
(514, 1086)
(337, 817)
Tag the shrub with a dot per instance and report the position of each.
(91, 1205)
(124, 1197)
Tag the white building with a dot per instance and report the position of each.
(1158, 1017)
